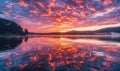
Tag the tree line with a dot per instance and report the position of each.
(10, 27)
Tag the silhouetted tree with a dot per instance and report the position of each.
(10, 27)
(25, 31)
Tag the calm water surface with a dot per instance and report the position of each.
(59, 54)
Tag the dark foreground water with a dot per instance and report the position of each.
(59, 53)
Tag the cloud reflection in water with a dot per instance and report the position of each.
(61, 54)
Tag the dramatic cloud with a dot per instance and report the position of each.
(60, 15)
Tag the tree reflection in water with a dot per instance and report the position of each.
(62, 54)
(9, 43)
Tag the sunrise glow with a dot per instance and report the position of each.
(49, 15)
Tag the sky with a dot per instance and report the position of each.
(62, 15)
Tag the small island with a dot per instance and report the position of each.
(8, 27)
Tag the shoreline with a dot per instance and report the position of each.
(88, 36)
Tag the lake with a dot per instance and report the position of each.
(59, 53)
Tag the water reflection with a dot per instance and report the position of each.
(7, 43)
(62, 54)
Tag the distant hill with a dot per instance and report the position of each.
(110, 29)
(100, 31)
(74, 32)
(10, 27)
